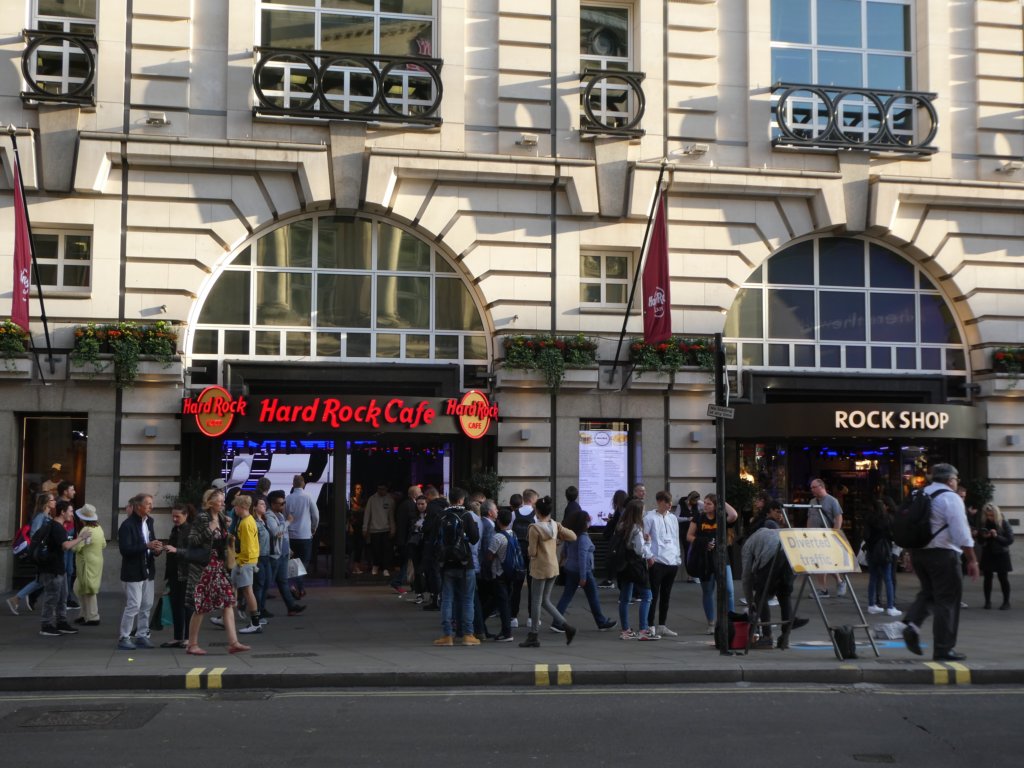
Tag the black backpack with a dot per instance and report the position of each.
(618, 556)
(912, 522)
(521, 525)
(39, 546)
(452, 545)
(845, 641)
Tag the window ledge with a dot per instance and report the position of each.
(53, 292)
(605, 309)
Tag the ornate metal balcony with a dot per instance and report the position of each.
(829, 117)
(347, 86)
(59, 67)
(613, 102)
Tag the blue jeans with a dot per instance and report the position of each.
(625, 597)
(280, 570)
(262, 583)
(707, 589)
(69, 570)
(29, 588)
(303, 549)
(572, 583)
(457, 583)
(877, 575)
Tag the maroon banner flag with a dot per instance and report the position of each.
(657, 300)
(22, 282)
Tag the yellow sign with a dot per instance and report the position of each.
(817, 550)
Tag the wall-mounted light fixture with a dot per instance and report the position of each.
(149, 430)
(1011, 166)
(524, 434)
(695, 436)
(157, 118)
(1013, 439)
(527, 140)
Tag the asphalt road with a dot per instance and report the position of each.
(732, 725)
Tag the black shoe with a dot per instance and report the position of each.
(93, 623)
(49, 631)
(269, 615)
(607, 624)
(531, 641)
(66, 629)
(296, 609)
(797, 623)
(570, 633)
(987, 606)
(1005, 606)
(73, 605)
(765, 642)
(432, 607)
(912, 640)
(949, 656)
(783, 643)
(79, 620)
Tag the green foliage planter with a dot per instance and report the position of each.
(1008, 360)
(125, 342)
(672, 354)
(13, 344)
(550, 355)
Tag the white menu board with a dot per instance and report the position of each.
(604, 457)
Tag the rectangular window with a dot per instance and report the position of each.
(59, 66)
(848, 44)
(53, 450)
(604, 278)
(606, 35)
(64, 259)
(380, 30)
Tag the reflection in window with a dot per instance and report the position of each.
(323, 287)
(852, 304)
(605, 43)
(604, 278)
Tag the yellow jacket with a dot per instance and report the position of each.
(248, 542)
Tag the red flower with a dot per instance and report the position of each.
(662, 347)
(1000, 356)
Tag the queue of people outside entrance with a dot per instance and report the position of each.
(472, 561)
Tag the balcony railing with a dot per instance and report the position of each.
(59, 67)
(829, 117)
(613, 102)
(347, 86)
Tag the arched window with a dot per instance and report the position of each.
(332, 288)
(847, 304)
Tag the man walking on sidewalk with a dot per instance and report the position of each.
(139, 549)
(937, 566)
(54, 537)
(304, 518)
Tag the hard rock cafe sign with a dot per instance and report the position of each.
(215, 411)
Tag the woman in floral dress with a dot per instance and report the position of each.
(209, 587)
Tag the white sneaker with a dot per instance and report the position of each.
(743, 600)
(514, 623)
(217, 621)
(529, 623)
(711, 628)
(774, 602)
(841, 591)
(894, 611)
(663, 630)
(251, 629)
(875, 609)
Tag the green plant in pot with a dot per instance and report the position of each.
(90, 343)
(13, 343)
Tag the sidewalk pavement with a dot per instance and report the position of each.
(369, 636)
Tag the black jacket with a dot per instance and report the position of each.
(137, 561)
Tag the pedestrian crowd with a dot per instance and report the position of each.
(471, 561)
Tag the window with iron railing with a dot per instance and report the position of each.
(844, 74)
(59, 61)
(369, 60)
(611, 97)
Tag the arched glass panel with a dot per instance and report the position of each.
(842, 303)
(340, 288)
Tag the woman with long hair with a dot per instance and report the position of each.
(209, 587)
(878, 549)
(46, 503)
(995, 537)
(702, 538)
(619, 499)
(542, 537)
(633, 574)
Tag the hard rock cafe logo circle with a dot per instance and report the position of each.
(214, 410)
(656, 302)
(474, 412)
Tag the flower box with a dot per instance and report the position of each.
(17, 367)
(693, 380)
(101, 370)
(514, 378)
(650, 380)
(155, 370)
(581, 378)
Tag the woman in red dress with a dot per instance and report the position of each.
(209, 585)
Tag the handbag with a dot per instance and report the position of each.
(197, 555)
(229, 558)
(295, 568)
(862, 555)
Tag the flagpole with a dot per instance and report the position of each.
(12, 132)
(639, 267)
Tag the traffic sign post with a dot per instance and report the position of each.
(812, 551)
